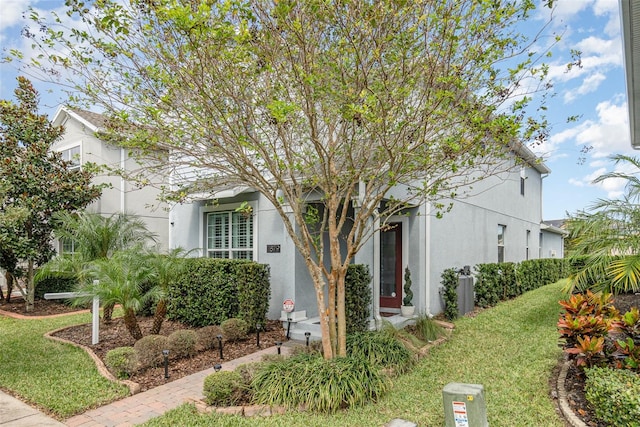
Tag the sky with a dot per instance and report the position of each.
(595, 92)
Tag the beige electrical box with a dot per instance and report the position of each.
(464, 405)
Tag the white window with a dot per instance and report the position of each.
(501, 232)
(67, 247)
(229, 235)
(72, 155)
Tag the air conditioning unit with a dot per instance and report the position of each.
(552, 253)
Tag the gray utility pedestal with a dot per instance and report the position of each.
(464, 405)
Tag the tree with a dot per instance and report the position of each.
(36, 183)
(608, 234)
(340, 113)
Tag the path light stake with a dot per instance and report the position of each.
(288, 326)
(258, 327)
(219, 337)
(307, 335)
(165, 354)
(278, 344)
(217, 367)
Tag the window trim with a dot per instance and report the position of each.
(502, 230)
(230, 208)
(70, 147)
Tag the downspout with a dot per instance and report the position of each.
(122, 181)
(376, 270)
(427, 263)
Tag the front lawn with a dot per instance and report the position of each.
(511, 349)
(58, 378)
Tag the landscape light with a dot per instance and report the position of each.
(278, 344)
(219, 337)
(307, 335)
(217, 367)
(165, 354)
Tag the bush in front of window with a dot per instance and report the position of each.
(205, 292)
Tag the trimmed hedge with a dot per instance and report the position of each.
(54, 285)
(358, 298)
(501, 281)
(450, 293)
(254, 292)
(615, 396)
(206, 292)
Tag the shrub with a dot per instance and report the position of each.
(54, 285)
(182, 343)
(206, 337)
(122, 361)
(254, 292)
(427, 329)
(615, 396)
(381, 350)
(149, 350)
(223, 388)
(357, 298)
(317, 384)
(205, 292)
(234, 329)
(450, 293)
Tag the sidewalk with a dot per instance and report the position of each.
(129, 411)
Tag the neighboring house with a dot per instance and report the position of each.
(630, 17)
(502, 221)
(81, 145)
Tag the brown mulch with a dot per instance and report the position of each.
(115, 335)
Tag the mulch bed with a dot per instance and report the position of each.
(116, 335)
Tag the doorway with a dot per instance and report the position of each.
(391, 266)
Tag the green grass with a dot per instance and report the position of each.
(510, 349)
(58, 378)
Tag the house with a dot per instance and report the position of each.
(81, 145)
(499, 220)
(630, 17)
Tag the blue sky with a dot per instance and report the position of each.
(595, 92)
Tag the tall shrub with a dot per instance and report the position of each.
(254, 292)
(450, 293)
(205, 292)
(358, 298)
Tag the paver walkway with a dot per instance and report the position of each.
(143, 406)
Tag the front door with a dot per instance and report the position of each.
(391, 266)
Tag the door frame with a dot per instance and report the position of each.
(384, 301)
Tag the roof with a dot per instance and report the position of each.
(552, 229)
(630, 17)
(93, 121)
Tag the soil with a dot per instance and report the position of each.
(115, 335)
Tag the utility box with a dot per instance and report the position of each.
(464, 405)
(466, 297)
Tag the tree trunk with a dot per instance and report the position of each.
(342, 318)
(9, 278)
(30, 297)
(107, 313)
(131, 323)
(158, 316)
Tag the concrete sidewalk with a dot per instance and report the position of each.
(15, 413)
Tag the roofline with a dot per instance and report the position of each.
(527, 155)
(552, 229)
(59, 117)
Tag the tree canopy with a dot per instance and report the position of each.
(36, 184)
(340, 113)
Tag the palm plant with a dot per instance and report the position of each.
(165, 269)
(119, 280)
(95, 237)
(609, 236)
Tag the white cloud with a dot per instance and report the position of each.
(12, 11)
(589, 84)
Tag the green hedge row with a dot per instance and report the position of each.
(210, 291)
(501, 281)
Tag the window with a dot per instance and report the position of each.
(72, 155)
(522, 186)
(67, 247)
(229, 235)
(523, 177)
(501, 231)
(527, 244)
(540, 247)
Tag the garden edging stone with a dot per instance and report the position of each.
(563, 403)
